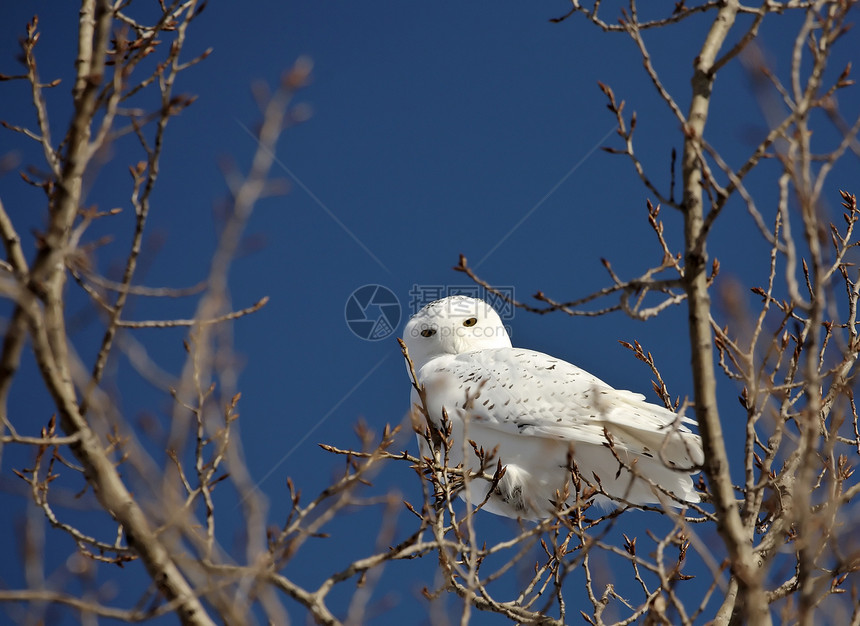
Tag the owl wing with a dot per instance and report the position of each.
(531, 394)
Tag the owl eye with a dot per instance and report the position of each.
(428, 332)
(470, 322)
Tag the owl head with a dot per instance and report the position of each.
(453, 325)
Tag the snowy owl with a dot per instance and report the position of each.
(535, 410)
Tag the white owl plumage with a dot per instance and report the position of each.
(534, 410)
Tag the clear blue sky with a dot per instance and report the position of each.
(436, 128)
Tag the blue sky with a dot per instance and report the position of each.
(436, 128)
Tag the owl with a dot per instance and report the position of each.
(537, 413)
